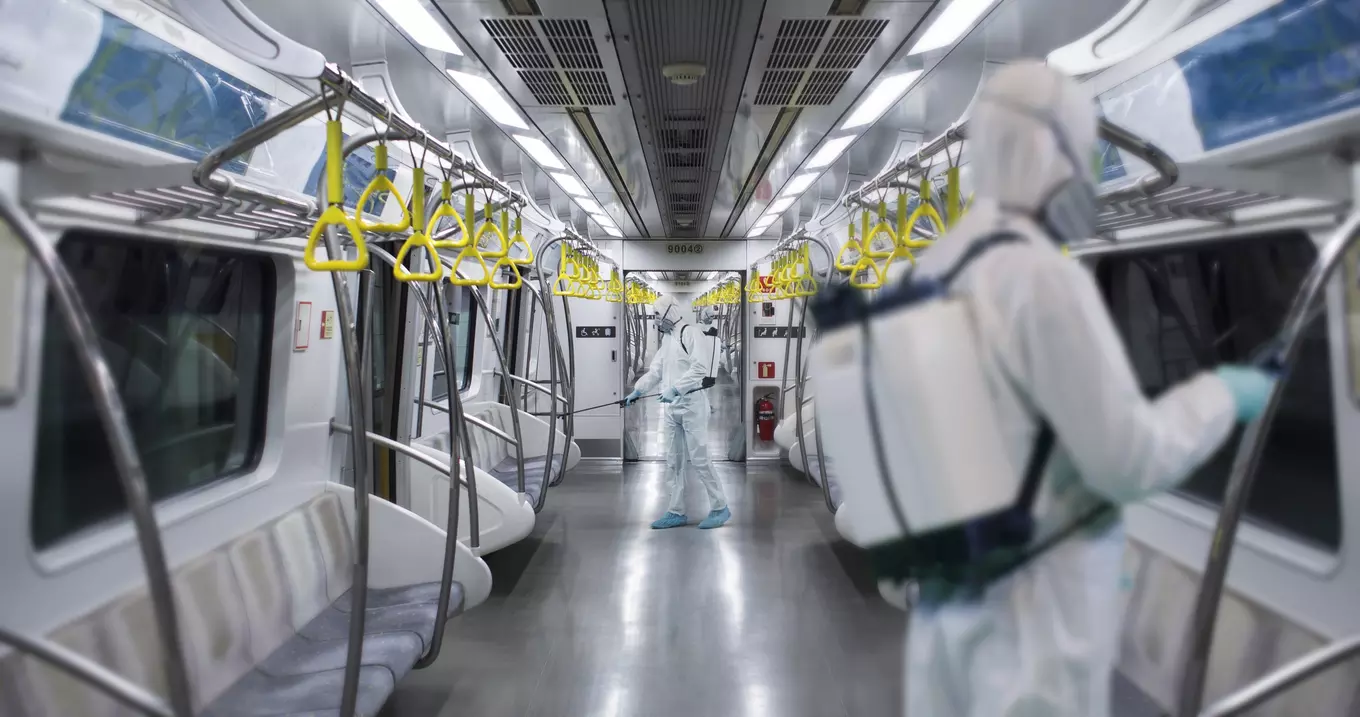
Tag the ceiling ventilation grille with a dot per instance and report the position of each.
(796, 43)
(573, 43)
(849, 43)
(519, 42)
(811, 60)
(570, 74)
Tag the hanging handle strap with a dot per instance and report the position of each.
(382, 183)
(335, 215)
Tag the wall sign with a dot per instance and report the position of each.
(764, 369)
(328, 324)
(302, 326)
(780, 332)
(595, 332)
(684, 248)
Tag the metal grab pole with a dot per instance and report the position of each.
(1291, 674)
(91, 673)
(550, 338)
(1245, 466)
(506, 385)
(554, 349)
(126, 461)
(438, 321)
(569, 430)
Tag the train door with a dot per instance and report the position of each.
(592, 327)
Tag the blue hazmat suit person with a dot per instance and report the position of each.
(681, 369)
(1042, 641)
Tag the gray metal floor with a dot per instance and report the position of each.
(596, 615)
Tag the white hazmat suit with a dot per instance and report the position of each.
(678, 369)
(1042, 641)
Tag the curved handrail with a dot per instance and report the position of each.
(89, 672)
(122, 445)
(412, 453)
(570, 386)
(1284, 353)
(506, 385)
(1285, 677)
(437, 320)
(554, 357)
(535, 385)
(491, 429)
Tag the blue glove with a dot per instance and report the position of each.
(670, 396)
(1250, 388)
(630, 398)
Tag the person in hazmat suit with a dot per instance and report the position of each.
(681, 368)
(1042, 641)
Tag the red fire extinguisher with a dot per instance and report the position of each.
(765, 418)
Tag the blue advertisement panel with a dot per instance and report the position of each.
(1295, 62)
(140, 88)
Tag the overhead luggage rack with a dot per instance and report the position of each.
(1180, 202)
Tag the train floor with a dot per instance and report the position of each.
(596, 614)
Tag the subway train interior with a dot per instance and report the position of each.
(350, 348)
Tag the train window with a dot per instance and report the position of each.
(463, 323)
(187, 332)
(1188, 308)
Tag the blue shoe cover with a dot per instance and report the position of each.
(670, 520)
(715, 519)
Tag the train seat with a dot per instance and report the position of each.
(264, 623)
(497, 457)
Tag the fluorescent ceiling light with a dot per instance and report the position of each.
(612, 230)
(539, 150)
(883, 96)
(590, 205)
(830, 151)
(779, 206)
(488, 98)
(799, 184)
(411, 16)
(951, 24)
(758, 229)
(571, 184)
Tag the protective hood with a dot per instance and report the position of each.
(1025, 114)
(669, 314)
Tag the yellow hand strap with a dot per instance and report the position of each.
(953, 196)
(865, 267)
(518, 239)
(418, 238)
(335, 215)
(381, 183)
(489, 225)
(506, 263)
(470, 252)
(445, 209)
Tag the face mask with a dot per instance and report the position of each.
(665, 323)
(1070, 211)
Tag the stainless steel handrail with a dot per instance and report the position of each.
(537, 387)
(439, 320)
(1245, 467)
(89, 672)
(544, 297)
(800, 385)
(127, 463)
(1165, 167)
(491, 429)
(352, 93)
(363, 464)
(436, 321)
(570, 386)
(412, 453)
(506, 386)
(1285, 677)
